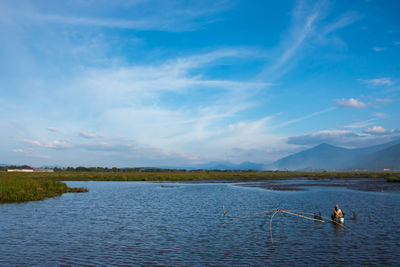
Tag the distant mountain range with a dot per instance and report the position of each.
(328, 157)
(321, 157)
(226, 165)
(325, 157)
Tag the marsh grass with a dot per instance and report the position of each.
(23, 188)
(194, 175)
(19, 187)
(393, 178)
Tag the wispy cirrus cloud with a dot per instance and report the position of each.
(305, 117)
(309, 26)
(380, 114)
(168, 16)
(30, 154)
(177, 75)
(360, 124)
(350, 103)
(304, 18)
(56, 144)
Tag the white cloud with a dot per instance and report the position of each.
(181, 74)
(379, 130)
(346, 138)
(89, 135)
(128, 99)
(52, 129)
(122, 151)
(350, 103)
(334, 137)
(32, 142)
(177, 108)
(384, 81)
(379, 49)
(56, 144)
(160, 106)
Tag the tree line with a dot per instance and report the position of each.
(115, 169)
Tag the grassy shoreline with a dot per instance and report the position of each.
(20, 187)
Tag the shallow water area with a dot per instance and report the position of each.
(299, 184)
(178, 224)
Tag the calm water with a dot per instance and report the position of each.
(132, 223)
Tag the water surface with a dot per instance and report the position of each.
(137, 223)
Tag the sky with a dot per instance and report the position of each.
(131, 83)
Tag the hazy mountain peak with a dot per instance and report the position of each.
(329, 157)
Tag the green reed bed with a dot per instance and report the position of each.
(393, 178)
(198, 175)
(20, 188)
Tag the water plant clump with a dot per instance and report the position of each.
(21, 189)
(393, 178)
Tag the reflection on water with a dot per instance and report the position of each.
(129, 223)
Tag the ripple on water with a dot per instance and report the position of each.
(125, 224)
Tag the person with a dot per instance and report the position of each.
(338, 214)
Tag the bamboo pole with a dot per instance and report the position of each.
(337, 223)
(290, 212)
(313, 219)
(270, 225)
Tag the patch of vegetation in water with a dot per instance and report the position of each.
(21, 188)
(393, 178)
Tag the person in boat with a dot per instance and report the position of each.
(338, 214)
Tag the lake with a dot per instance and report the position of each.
(176, 224)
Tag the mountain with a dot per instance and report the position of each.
(250, 166)
(323, 156)
(388, 158)
(328, 157)
(376, 148)
(225, 165)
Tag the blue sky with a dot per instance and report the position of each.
(177, 83)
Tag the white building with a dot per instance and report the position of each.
(21, 170)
